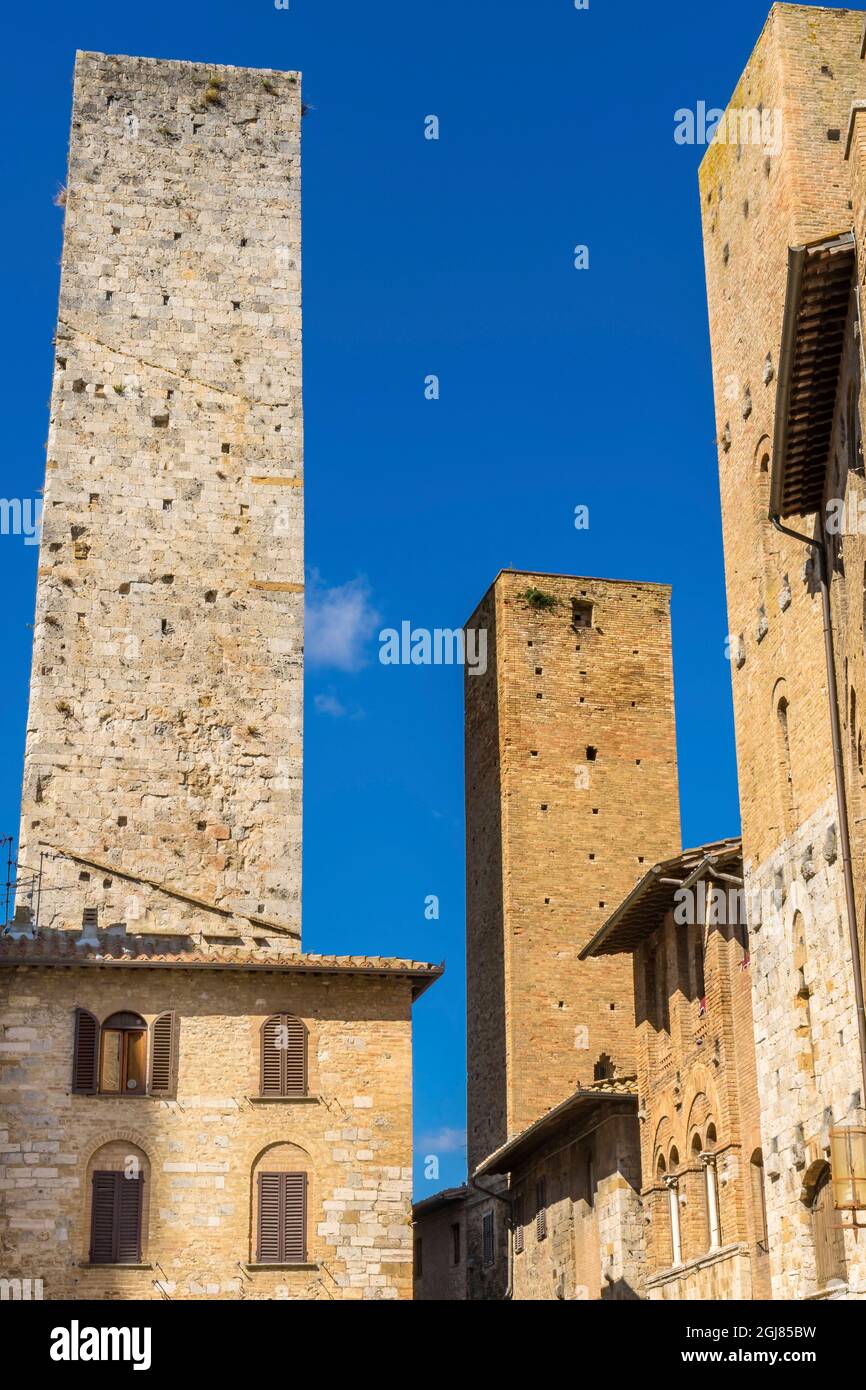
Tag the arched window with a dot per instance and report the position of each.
(829, 1242)
(123, 1055)
(112, 1059)
(714, 1227)
(281, 1197)
(117, 1192)
(759, 1200)
(284, 1056)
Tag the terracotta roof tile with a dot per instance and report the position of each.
(569, 1111)
(68, 948)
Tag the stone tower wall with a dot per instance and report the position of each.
(165, 722)
(756, 202)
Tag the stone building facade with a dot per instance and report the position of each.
(165, 723)
(574, 1214)
(783, 236)
(570, 754)
(201, 1142)
(685, 927)
(191, 1107)
(440, 1262)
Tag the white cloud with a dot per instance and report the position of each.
(339, 622)
(329, 704)
(442, 1141)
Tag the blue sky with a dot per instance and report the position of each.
(558, 387)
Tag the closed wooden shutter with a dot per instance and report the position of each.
(85, 1053)
(295, 1218)
(271, 1059)
(128, 1241)
(115, 1219)
(102, 1219)
(295, 1066)
(282, 1218)
(163, 1055)
(488, 1246)
(268, 1247)
(284, 1056)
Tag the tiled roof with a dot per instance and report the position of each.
(641, 912)
(573, 1109)
(439, 1199)
(124, 950)
(613, 1086)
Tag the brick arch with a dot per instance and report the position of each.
(304, 1155)
(815, 1170)
(101, 1141)
(780, 690)
(254, 1151)
(700, 1115)
(662, 1141)
(763, 446)
(119, 1136)
(701, 1103)
(293, 1158)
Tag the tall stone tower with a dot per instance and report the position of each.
(163, 754)
(784, 229)
(571, 795)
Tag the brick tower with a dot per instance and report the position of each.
(165, 723)
(571, 794)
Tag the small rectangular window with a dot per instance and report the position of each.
(455, 1242)
(581, 614)
(487, 1238)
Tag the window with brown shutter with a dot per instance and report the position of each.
(517, 1221)
(85, 1053)
(115, 1219)
(112, 1058)
(540, 1209)
(163, 1055)
(284, 1056)
(282, 1219)
(488, 1243)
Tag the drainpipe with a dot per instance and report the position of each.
(509, 1291)
(819, 544)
